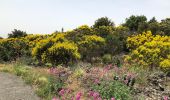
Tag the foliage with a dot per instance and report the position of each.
(16, 34)
(32, 40)
(46, 85)
(165, 26)
(91, 42)
(134, 23)
(165, 63)
(79, 72)
(11, 49)
(77, 34)
(103, 21)
(91, 46)
(61, 53)
(153, 26)
(107, 58)
(116, 41)
(149, 49)
(109, 89)
(104, 31)
(43, 45)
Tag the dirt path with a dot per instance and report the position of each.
(13, 88)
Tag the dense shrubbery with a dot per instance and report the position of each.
(11, 49)
(16, 34)
(91, 46)
(61, 53)
(93, 43)
(149, 49)
(114, 89)
(101, 44)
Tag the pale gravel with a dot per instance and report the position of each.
(13, 88)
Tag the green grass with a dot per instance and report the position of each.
(45, 85)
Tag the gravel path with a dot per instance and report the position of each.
(13, 88)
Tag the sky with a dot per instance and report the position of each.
(47, 16)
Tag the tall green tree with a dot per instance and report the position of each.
(103, 21)
(165, 26)
(135, 23)
(16, 34)
(154, 26)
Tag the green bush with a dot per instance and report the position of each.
(91, 46)
(114, 89)
(13, 48)
(107, 58)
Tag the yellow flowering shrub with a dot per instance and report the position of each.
(165, 63)
(91, 46)
(136, 40)
(77, 34)
(150, 49)
(44, 44)
(33, 39)
(61, 53)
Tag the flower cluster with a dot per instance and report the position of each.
(147, 49)
(67, 94)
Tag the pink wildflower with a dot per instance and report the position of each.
(90, 93)
(61, 93)
(116, 69)
(96, 95)
(99, 98)
(113, 98)
(68, 90)
(78, 96)
(96, 81)
(126, 81)
(165, 98)
(72, 98)
(54, 98)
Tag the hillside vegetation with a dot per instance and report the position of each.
(100, 62)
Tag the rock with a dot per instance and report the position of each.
(156, 88)
(168, 74)
(161, 87)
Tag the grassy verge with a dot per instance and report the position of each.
(45, 85)
(86, 82)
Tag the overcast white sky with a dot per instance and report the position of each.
(47, 16)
